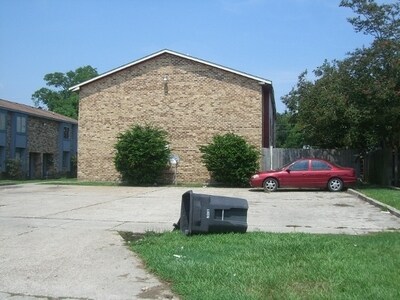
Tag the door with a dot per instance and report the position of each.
(47, 165)
(298, 174)
(320, 173)
(34, 165)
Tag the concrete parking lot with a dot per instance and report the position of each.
(62, 242)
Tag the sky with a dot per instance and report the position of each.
(273, 39)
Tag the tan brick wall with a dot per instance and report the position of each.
(43, 139)
(197, 102)
(42, 135)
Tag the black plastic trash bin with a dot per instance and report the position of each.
(212, 214)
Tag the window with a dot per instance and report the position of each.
(301, 165)
(19, 154)
(66, 133)
(65, 161)
(2, 121)
(21, 124)
(317, 165)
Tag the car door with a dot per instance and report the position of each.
(297, 174)
(320, 173)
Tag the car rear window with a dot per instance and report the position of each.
(317, 165)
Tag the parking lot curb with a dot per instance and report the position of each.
(381, 205)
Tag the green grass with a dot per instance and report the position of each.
(59, 181)
(14, 182)
(74, 181)
(385, 195)
(275, 266)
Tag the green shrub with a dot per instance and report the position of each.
(14, 169)
(142, 154)
(230, 159)
(73, 173)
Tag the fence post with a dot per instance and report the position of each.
(396, 181)
(271, 148)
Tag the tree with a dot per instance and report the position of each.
(373, 93)
(374, 72)
(60, 99)
(293, 101)
(380, 21)
(288, 133)
(142, 154)
(322, 113)
(230, 159)
(355, 102)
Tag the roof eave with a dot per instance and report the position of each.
(35, 112)
(259, 79)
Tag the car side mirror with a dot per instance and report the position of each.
(288, 170)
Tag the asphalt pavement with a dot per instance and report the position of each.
(62, 242)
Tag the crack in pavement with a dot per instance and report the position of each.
(101, 203)
(82, 220)
(12, 295)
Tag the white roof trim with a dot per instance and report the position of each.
(261, 80)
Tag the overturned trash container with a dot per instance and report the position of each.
(212, 214)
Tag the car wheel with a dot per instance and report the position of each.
(335, 185)
(270, 185)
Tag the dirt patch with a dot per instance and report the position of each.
(130, 237)
(343, 205)
(155, 292)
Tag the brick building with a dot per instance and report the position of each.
(190, 98)
(43, 142)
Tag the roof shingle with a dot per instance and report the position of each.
(36, 112)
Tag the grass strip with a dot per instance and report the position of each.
(59, 181)
(388, 196)
(274, 266)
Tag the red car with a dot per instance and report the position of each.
(306, 173)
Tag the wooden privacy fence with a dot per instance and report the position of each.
(382, 167)
(273, 158)
(378, 167)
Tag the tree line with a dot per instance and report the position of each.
(354, 102)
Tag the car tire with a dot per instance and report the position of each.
(270, 185)
(335, 184)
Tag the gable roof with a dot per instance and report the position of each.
(261, 80)
(36, 112)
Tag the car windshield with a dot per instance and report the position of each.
(284, 167)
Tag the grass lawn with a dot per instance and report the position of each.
(75, 181)
(385, 195)
(14, 182)
(274, 266)
(59, 181)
